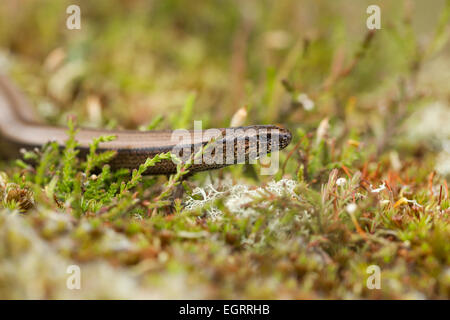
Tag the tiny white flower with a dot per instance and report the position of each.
(351, 208)
(306, 102)
(341, 182)
(381, 188)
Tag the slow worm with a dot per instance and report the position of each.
(19, 128)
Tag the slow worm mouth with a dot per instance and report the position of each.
(285, 138)
(277, 138)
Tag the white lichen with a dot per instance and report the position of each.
(236, 197)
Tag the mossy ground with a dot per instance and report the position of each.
(362, 183)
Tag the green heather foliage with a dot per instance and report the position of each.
(362, 183)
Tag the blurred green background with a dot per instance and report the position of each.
(143, 58)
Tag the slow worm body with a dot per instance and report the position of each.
(19, 128)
